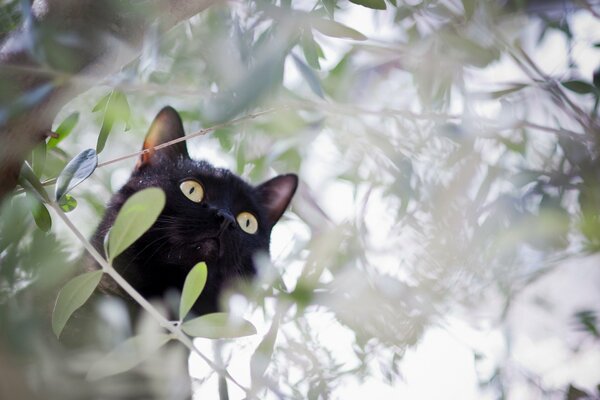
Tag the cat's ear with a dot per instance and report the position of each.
(166, 126)
(276, 194)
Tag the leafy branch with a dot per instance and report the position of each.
(174, 328)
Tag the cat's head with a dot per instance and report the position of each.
(210, 214)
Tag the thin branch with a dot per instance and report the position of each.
(135, 295)
(349, 109)
(201, 132)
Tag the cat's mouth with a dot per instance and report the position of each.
(211, 248)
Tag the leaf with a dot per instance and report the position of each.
(192, 288)
(596, 78)
(218, 326)
(75, 172)
(574, 393)
(31, 183)
(262, 356)
(67, 203)
(135, 217)
(588, 321)
(310, 48)
(38, 159)
(469, 6)
(335, 29)
(579, 86)
(72, 296)
(500, 93)
(309, 75)
(127, 355)
(116, 109)
(374, 4)
(64, 129)
(329, 7)
(40, 213)
(251, 86)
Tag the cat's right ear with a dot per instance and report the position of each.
(166, 126)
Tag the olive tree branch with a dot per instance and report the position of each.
(145, 304)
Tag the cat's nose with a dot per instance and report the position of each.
(226, 218)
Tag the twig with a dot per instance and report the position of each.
(201, 132)
(135, 295)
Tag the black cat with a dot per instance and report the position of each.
(210, 215)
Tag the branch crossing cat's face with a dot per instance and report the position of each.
(210, 215)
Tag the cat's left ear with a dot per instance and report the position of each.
(166, 126)
(276, 195)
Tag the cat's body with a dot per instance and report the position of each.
(210, 215)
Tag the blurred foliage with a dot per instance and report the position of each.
(431, 180)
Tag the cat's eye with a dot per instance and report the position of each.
(247, 222)
(192, 190)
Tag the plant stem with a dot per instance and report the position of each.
(145, 304)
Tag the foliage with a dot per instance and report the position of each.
(429, 184)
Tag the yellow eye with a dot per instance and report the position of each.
(247, 222)
(192, 190)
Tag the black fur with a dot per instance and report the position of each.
(187, 232)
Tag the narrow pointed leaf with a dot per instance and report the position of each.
(72, 296)
(335, 29)
(31, 183)
(116, 109)
(578, 86)
(107, 125)
(192, 288)
(262, 356)
(135, 217)
(75, 172)
(64, 129)
(373, 4)
(310, 48)
(329, 7)
(309, 75)
(127, 355)
(218, 326)
(40, 213)
(38, 159)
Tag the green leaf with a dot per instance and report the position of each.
(39, 211)
(500, 93)
(67, 203)
(579, 86)
(263, 76)
(127, 355)
(310, 49)
(38, 159)
(574, 393)
(262, 356)
(101, 104)
(135, 217)
(469, 6)
(31, 183)
(75, 172)
(329, 7)
(116, 109)
(335, 29)
(192, 288)
(218, 326)
(374, 4)
(64, 129)
(72, 296)
(596, 78)
(309, 75)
